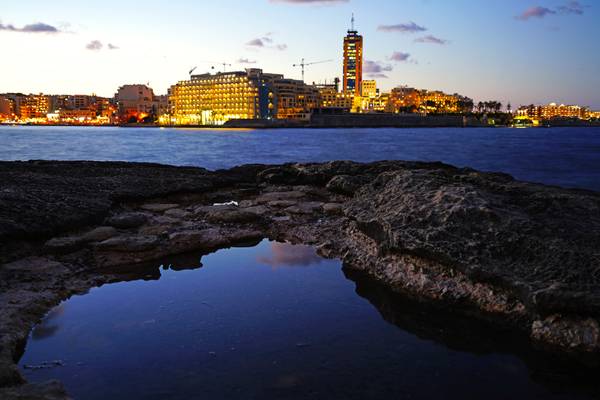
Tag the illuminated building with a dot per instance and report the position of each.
(369, 89)
(329, 97)
(295, 99)
(73, 116)
(105, 109)
(79, 102)
(7, 111)
(35, 106)
(377, 104)
(553, 110)
(380, 103)
(82, 109)
(404, 99)
(209, 99)
(410, 100)
(135, 103)
(353, 62)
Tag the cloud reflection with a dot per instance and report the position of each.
(289, 255)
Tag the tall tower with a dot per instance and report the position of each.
(353, 61)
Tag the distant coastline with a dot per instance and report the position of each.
(255, 125)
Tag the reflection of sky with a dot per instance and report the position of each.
(289, 255)
(234, 329)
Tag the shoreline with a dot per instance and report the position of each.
(516, 254)
(297, 126)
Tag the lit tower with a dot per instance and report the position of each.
(353, 61)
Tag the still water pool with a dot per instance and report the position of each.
(275, 321)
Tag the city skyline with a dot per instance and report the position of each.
(533, 52)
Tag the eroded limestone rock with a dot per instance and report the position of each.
(128, 244)
(127, 220)
(158, 207)
(578, 334)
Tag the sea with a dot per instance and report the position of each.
(568, 157)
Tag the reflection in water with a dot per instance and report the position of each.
(229, 328)
(289, 255)
(461, 333)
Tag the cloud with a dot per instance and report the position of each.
(287, 255)
(572, 7)
(38, 27)
(376, 69)
(317, 2)
(245, 61)
(535, 12)
(410, 27)
(378, 75)
(112, 46)
(266, 41)
(399, 56)
(258, 42)
(94, 45)
(372, 67)
(432, 39)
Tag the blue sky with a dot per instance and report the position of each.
(508, 50)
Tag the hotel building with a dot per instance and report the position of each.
(209, 99)
(553, 110)
(353, 62)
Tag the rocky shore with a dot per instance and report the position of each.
(521, 255)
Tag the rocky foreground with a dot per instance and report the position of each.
(514, 253)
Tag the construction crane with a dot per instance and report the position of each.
(224, 64)
(305, 64)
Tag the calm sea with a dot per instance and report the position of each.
(567, 157)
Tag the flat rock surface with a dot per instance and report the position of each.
(45, 197)
(542, 242)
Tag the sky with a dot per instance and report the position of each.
(516, 51)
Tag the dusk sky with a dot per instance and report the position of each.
(507, 50)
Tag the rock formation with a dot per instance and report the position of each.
(518, 254)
